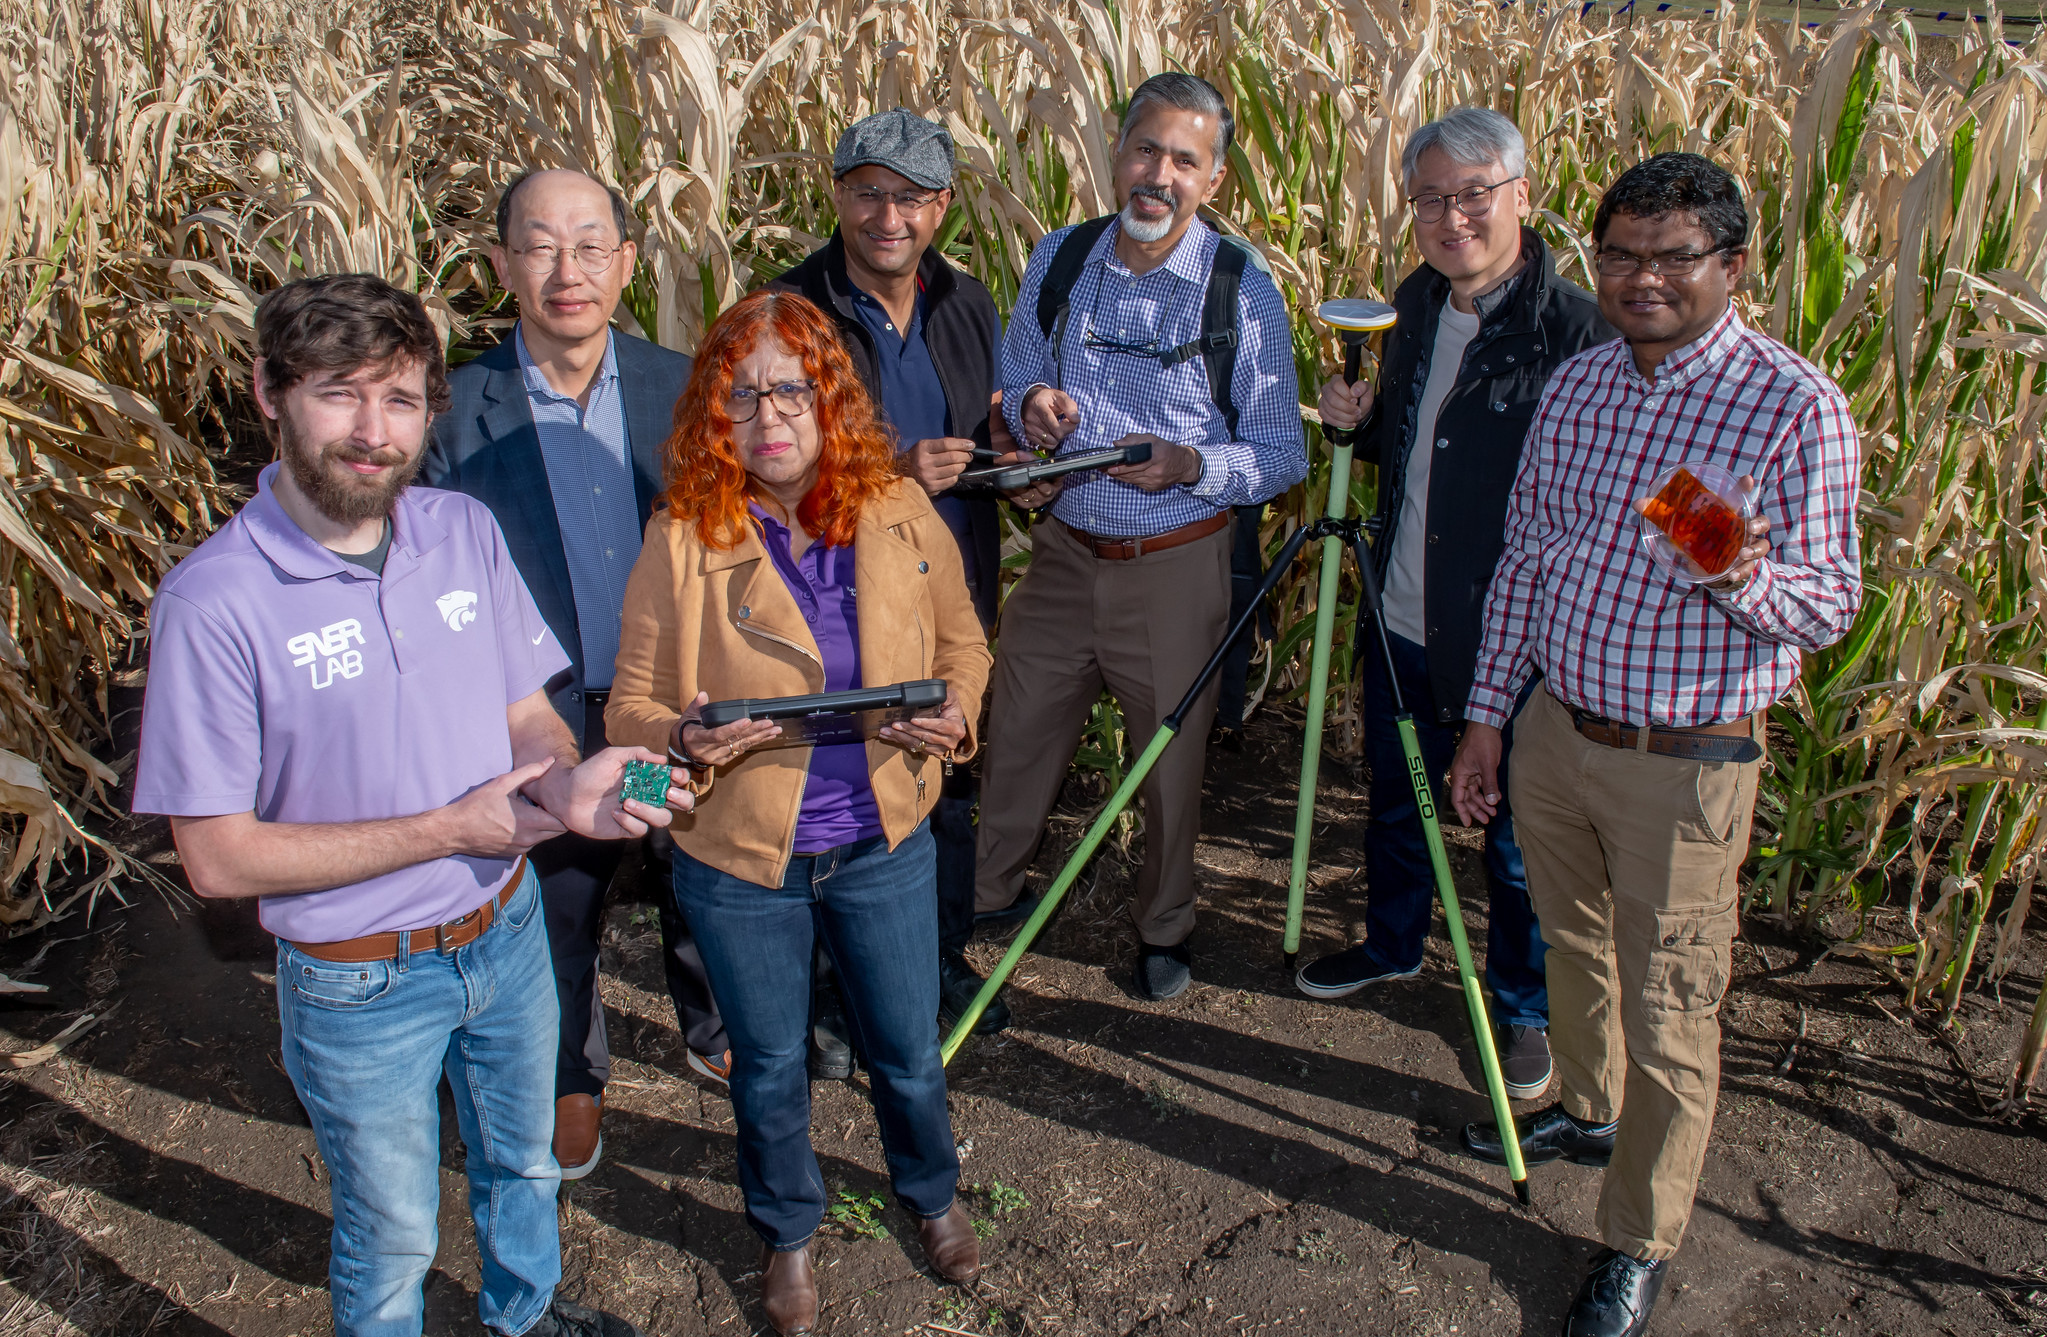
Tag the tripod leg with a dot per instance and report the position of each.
(1118, 801)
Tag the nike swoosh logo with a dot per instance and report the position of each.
(541, 637)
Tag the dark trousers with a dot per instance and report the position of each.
(575, 872)
(870, 908)
(1401, 880)
(952, 827)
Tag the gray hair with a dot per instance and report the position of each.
(1187, 93)
(1470, 137)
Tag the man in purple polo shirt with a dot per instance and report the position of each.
(346, 717)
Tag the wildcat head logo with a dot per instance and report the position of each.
(458, 608)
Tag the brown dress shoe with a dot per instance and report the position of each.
(789, 1290)
(951, 1245)
(578, 1134)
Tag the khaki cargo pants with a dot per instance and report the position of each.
(1631, 863)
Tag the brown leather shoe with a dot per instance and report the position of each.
(951, 1245)
(789, 1290)
(578, 1134)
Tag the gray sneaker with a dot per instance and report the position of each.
(1162, 972)
(1525, 1061)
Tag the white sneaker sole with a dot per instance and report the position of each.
(578, 1171)
(1530, 1092)
(1346, 990)
(703, 1069)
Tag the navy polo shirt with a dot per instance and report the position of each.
(913, 401)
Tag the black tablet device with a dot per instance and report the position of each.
(832, 717)
(1010, 477)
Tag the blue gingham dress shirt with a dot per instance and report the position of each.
(590, 473)
(1120, 393)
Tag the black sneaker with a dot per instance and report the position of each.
(1525, 1061)
(1552, 1135)
(1345, 972)
(563, 1319)
(1617, 1296)
(1022, 908)
(958, 986)
(831, 1053)
(1162, 972)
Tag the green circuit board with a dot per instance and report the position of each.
(646, 781)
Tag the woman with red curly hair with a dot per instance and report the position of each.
(792, 559)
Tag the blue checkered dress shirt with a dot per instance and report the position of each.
(590, 474)
(1120, 393)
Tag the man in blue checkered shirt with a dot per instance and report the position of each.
(1129, 582)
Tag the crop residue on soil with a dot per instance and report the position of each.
(1239, 1160)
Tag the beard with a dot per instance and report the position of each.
(338, 492)
(1145, 230)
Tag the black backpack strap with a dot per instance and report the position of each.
(1057, 289)
(1217, 344)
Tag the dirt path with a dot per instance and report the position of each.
(1240, 1160)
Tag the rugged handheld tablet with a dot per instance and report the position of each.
(831, 717)
(1010, 477)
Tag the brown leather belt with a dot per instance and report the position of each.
(1122, 550)
(446, 937)
(1733, 740)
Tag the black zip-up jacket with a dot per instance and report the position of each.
(962, 330)
(1528, 327)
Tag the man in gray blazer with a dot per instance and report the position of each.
(559, 430)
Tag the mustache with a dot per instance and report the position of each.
(1163, 194)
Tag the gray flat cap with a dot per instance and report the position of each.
(905, 143)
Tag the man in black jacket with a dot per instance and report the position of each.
(1482, 325)
(924, 335)
(559, 431)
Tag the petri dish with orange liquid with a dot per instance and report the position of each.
(1695, 521)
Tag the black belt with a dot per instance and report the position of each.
(1731, 741)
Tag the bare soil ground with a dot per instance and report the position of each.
(1239, 1160)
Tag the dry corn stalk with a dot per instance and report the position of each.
(170, 160)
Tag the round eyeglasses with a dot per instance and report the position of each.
(792, 400)
(591, 257)
(1472, 202)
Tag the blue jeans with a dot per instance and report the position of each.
(1401, 881)
(365, 1047)
(875, 912)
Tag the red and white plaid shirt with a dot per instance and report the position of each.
(1576, 595)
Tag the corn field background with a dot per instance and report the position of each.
(166, 161)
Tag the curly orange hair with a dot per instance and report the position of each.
(856, 464)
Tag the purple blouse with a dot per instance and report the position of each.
(838, 798)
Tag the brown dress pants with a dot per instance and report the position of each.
(1632, 861)
(1075, 624)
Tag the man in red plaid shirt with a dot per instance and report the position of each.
(1635, 761)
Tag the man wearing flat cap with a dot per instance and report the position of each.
(924, 335)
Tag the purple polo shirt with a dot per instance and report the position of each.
(838, 798)
(287, 682)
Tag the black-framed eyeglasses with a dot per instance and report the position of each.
(591, 257)
(1102, 344)
(909, 201)
(792, 400)
(1670, 265)
(1472, 202)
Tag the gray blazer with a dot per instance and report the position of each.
(485, 446)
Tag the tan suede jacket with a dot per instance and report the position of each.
(697, 619)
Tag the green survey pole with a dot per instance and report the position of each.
(1446, 889)
(1167, 731)
(1467, 972)
(1318, 661)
